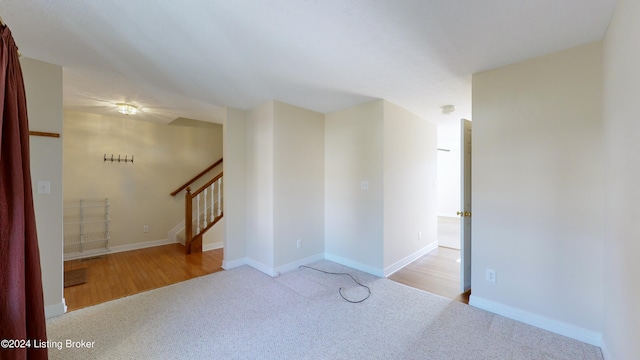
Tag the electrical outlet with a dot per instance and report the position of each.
(299, 243)
(145, 228)
(491, 275)
(44, 187)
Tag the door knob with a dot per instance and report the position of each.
(459, 213)
(467, 214)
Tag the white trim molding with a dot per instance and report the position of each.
(230, 264)
(269, 270)
(409, 259)
(354, 264)
(55, 309)
(606, 355)
(141, 245)
(213, 246)
(296, 264)
(273, 272)
(539, 321)
(173, 233)
(120, 248)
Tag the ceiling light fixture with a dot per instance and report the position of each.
(127, 109)
(448, 109)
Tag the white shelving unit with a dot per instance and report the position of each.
(86, 228)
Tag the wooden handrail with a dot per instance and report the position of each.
(175, 192)
(193, 194)
(42, 133)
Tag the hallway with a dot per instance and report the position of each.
(438, 271)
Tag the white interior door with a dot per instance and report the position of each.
(465, 205)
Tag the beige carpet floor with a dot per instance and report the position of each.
(244, 314)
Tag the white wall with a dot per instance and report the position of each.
(409, 185)
(43, 85)
(259, 186)
(353, 216)
(214, 237)
(449, 169)
(298, 184)
(622, 145)
(235, 178)
(538, 200)
(284, 178)
(165, 157)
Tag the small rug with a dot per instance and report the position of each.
(75, 277)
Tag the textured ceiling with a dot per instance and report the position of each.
(191, 58)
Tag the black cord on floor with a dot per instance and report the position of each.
(340, 289)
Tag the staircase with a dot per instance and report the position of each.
(203, 209)
(198, 219)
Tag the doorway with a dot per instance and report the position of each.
(440, 271)
(449, 252)
(454, 199)
(454, 195)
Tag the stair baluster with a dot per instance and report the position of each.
(193, 240)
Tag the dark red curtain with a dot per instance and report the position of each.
(21, 298)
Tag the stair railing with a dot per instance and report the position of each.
(185, 185)
(203, 209)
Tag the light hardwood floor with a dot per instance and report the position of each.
(122, 274)
(113, 276)
(437, 272)
(449, 232)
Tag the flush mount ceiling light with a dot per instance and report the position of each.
(448, 109)
(127, 109)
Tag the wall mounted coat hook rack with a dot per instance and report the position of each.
(119, 158)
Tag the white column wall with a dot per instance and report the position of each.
(259, 187)
(43, 85)
(235, 201)
(622, 145)
(354, 216)
(298, 184)
(410, 192)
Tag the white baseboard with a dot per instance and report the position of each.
(213, 246)
(539, 321)
(55, 310)
(296, 264)
(409, 259)
(261, 267)
(172, 234)
(248, 261)
(142, 245)
(606, 355)
(230, 264)
(86, 254)
(354, 264)
(273, 272)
